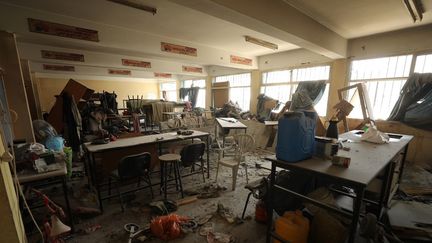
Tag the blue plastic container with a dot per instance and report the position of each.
(296, 136)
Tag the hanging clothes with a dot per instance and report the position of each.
(191, 93)
(307, 94)
(314, 89)
(414, 106)
(73, 122)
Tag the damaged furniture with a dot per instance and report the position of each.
(226, 124)
(367, 161)
(103, 158)
(244, 143)
(40, 180)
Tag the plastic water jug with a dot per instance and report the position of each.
(293, 227)
(296, 136)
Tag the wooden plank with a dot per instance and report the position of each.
(14, 87)
(32, 97)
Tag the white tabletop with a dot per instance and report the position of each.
(148, 139)
(367, 159)
(226, 122)
(34, 176)
(271, 123)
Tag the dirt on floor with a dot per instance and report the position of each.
(109, 226)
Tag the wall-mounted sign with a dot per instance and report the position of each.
(62, 56)
(119, 71)
(59, 67)
(68, 31)
(192, 69)
(163, 75)
(178, 49)
(241, 60)
(136, 63)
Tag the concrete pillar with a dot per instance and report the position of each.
(338, 79)
(209, 95)
(255, 90)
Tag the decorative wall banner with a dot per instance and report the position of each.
(163, 75)
(68, 31)
(241, 60)
(62, 56)
(178, 49)
(192, 69)
(119, 71)
(136, 63)
(59, 67)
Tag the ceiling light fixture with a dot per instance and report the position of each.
(261, 42)
(132, 4)
(415, 9)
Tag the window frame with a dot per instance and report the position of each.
(294, 84)
(242, 86)
(411, 69)
(175, 90)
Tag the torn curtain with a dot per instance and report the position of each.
(191, 93)
(414, 106)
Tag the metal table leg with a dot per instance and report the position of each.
(69, 211)
(356, 213)
(269, 203)
(208, 156)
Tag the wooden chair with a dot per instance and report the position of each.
(244, 143)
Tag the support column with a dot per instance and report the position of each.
(255, 90)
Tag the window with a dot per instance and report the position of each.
(384, 78)
(423, 64)
(201, 83)
(239, 88)
(171, 90)
(281, 85)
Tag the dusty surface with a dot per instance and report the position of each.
(137, 211)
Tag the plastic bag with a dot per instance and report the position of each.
(167, 227)
(374, 136)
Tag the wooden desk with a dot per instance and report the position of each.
(37, 180)
(227, 124)
(367, 161)
(131, 145)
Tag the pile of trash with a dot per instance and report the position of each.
(231, 109)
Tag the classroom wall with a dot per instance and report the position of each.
(49, 87)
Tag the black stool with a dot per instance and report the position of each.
(166, 161)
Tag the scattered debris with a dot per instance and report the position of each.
(167, 227)
(227, 214)
(163, 207)
(187, 200)
(207, 191)
(219, 238)
(206, 229)
(201, 220)
(92, 228)
(86, 212)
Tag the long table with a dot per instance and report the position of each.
(138, 143)
(367, 161)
